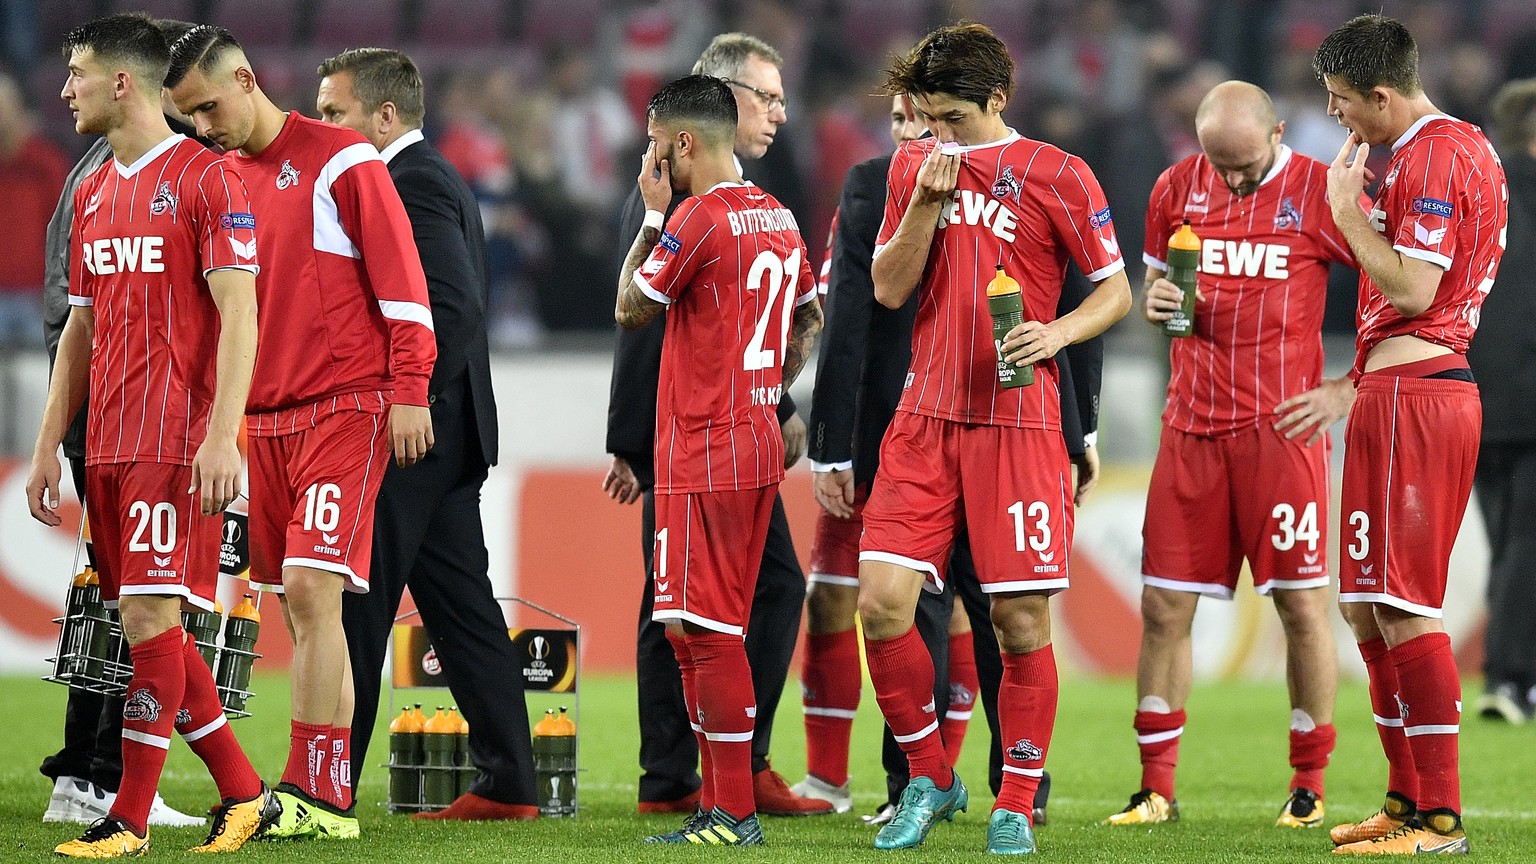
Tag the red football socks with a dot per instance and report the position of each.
(902, 671)
(1431, 691)
(690, 674)
(963, 687)
(1381, 671)
(1026, 708)
(208, 734)
(832, 678)
(1309, 756)
(727, 711)
(149, 716)
(336, 785)
(308, 752)
(1157, 737)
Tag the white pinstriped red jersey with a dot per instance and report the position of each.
(1028, 206)
(343, 301)
(1444, 200)
(731, 267)
(144, 238)
(1264, 273)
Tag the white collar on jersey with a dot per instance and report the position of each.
(1417, 125)
(740, 171)
(726, 184)
(1011, 137)
(401, 143)
(1275, 169)
(153, 154)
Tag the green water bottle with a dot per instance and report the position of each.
(1006, 303)
(97, 628)
(204, 627)
(439, 786)
(1183, 271)
(239, 652)
(405, 752)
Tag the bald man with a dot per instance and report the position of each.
(1246, 399)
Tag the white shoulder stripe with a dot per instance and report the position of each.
(330, 236)
(405, 310)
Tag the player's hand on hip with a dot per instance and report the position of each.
(938, 176)
(1087, 473)
(834, 492)
(621, 483)
(43, 489)
(410, 431)
(793, 432)
(216, 474)
(655, 180)
(1164, 299)
(1348, 176)
(1031, 342)
(1315, 410)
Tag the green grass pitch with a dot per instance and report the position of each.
(1231, 783)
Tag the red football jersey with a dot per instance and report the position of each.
(1264, 272)
(344, 304)
(730, 267)
(1020, 203)
(144, 238)
(1444, 200)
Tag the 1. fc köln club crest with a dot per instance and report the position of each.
(1006, 185)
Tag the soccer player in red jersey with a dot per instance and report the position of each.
(729, 268)
(1429, 251)
(341, 379)
(1267, 238)
(162, 328)
(974, 197)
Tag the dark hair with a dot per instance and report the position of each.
(1514, 116)
(381, 75)
(202, 46)
(1370, 51)
(964, 60)
(701, 101)
(131, 39)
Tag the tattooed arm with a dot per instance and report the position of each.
(802, 335)
(633, 309)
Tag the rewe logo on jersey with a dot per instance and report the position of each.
(1241, 258)
(111, 255)
(973, 208)
(287, 175)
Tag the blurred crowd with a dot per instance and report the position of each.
(540, 103)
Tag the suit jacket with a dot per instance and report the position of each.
(637, 369)
(1503, 356)
(866, 348)
(445, 220)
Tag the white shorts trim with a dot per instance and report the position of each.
(1388, 600)
(841, 713)
(933, 585)
(1033, 585)
(1157, 737)
(1294, 584)
(922, 733)
(146, 738)
(830, 579)
(354, 584)
(181, 591)
(1413, 731)
(1027, 772)
(209, 729)
(1219, 592)
(706, 623)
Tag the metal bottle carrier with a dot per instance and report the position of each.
(551, 666)
(92, 653)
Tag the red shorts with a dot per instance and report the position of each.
(1011, 487)
(1410, 449)
(1214, 501)
(312, 497)
(709, 547)
(835, 548)
(150, 535)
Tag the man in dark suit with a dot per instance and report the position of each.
(427, 529)
(866, 350)
(668, 752)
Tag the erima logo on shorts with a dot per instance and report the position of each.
(230, 221)
(1434, 207)
(141, 707)
(670, 242)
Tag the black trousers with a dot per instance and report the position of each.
(669, 754)
(1505, 483)
(427, 534)
(93, 723)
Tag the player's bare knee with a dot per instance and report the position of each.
(312, 598)
(884, 614)
(830, 608)
(1167, 614)
(1302, 612)
(144, 617)
(1022, 622)
(1361, 619)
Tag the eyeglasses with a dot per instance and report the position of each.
(773, 102)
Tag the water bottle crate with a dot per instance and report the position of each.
(434, 781)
